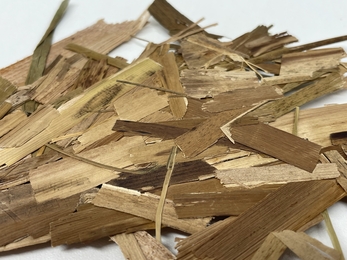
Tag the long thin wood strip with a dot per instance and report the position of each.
(279, 144)
(38, 62)
(276, 54)
(101, 222)
(306, 247)
(117, 62)
(154, 178)
(27, 241)
(158, 216)
(145, 205)
(292, 206)
(129, 246)
(272, 110)
(178, 105)
(332, 234)
(277, 174)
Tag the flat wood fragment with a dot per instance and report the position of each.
(292, 206)
(95, 98)
(271, 249)
(85, 176)
(241, 98)
(21, 215)
(196, 200)
(151, 248)
(305, 247)
(190, 142)
(149, 129)
(279, 144)
(311, 61)
(139, 103)
(208, 83)
(129, 246)
(280, 174)
(101, 222)
(145, 205)
(315, 124)
(184, 172)
(98, 37)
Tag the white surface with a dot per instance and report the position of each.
(22, 24)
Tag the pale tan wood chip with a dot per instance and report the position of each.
(71, 113)
(145, 205)
(277, 174)
(68, 176)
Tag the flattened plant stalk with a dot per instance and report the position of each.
(331, 232)
(158, 216)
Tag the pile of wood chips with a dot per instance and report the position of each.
(196, 134)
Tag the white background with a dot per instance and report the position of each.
(23, 23)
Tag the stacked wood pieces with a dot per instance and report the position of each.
(89, 158)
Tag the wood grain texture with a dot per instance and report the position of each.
(279, 144)
(292, 206)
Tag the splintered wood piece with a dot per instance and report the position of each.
(73, 112)
(191, 143)
(311, 61)
(99, 37)
(21, 215)
(149, 129)
(139, 103)
(271, 249)
(169, 17)
(316, 124)
(55, 83)
(101, 222)
(208, 83)
(151, 248)
(280, 174)
(268, 43)
(94, 134)
(70, 176)
(184, 172)
(129, 246)
(145, 205)
(10, 121)
(279, 107)
(117, 62)
(279, 144)
(159, 152)
(196, 56)
(243, 161)
(241, 98)
(290, 207)
(18, 173)
(29, 128)
(335, 157)
(194, 200)
(178, 105)
(24, 242)
(306, 247)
